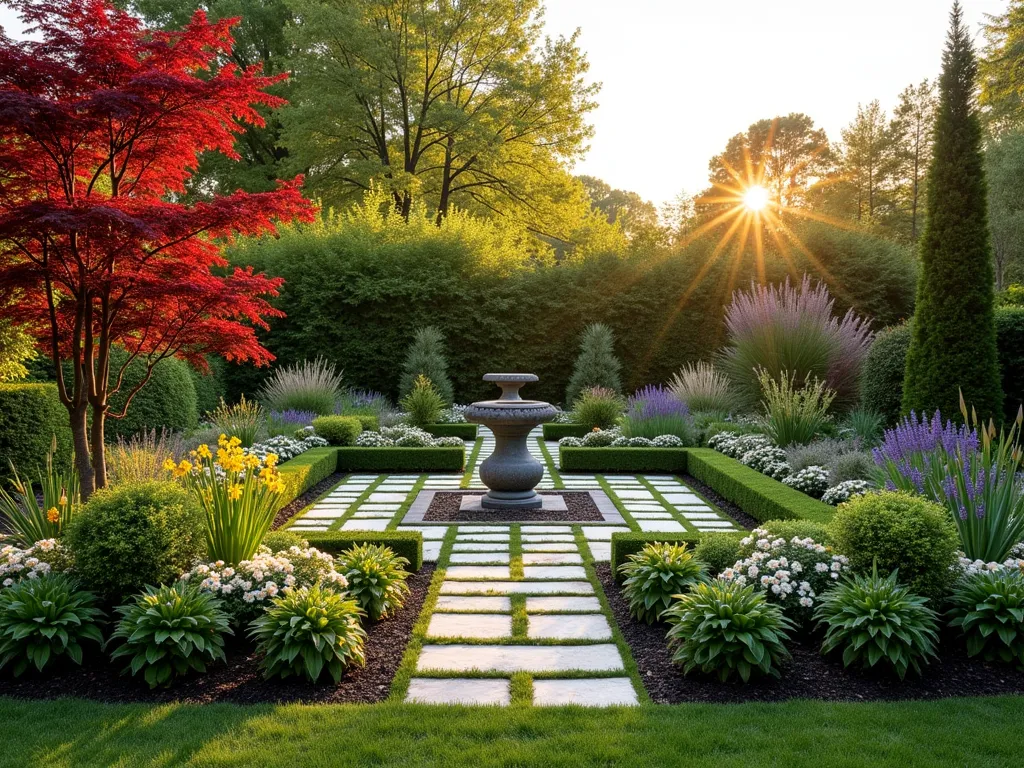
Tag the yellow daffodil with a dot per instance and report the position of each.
(235, 492)
(169, 465)
(52, 515)
(271, 460)
(251, 461)
(203, 451)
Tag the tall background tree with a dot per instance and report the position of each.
(100, 124)
(1002, 85)
(1004, 169)
(911, 138)
(864, 157)
(953, 347)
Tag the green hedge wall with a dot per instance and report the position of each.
(408, 544)
(306, 470)
(622, 460)
(758, 495)
(462, 431)
(30, 416)
(558, 431)
(626, 544)
(358, 459)
(210, 385)
(1010, 338)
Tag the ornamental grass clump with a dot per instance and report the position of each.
(791, 331)
(793, 415)
(308, 631)
(239, 492)
(655, 574)
(289, 421)
(726, 629)
(312, 385)
(45, 619)
(170, 631)
(24, 519)
(243, 420)
(971, 470)
(141, 457)
(875, 620)
(423, 403)
(655, 411)
(988, 609)
(704, 389)
(376, 578)
(598, 408)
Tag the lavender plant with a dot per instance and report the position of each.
(970, 469)
(655, 411)
(286, 422)
(792, 329)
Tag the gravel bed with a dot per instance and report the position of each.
(809, 676)
(240, 680)
(723, 504)
(445, 507)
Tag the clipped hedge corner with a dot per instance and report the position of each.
(364, 459)
(31, 415)
(407, 544)
(306, 470)
(626, 544)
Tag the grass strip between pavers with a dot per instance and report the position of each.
(619, 504)
(336, 525)
(687, 524)
(467, 476)
(556, 476)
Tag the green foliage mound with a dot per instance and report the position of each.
(31, 415)
(898, 530)
(426, 358)
(338, 430)
(882, 380)
(718, 550)
(126, 537)
(168, 400)
(657, 573)
(424, 403)
(988, 609)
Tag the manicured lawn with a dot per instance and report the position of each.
(954, 732)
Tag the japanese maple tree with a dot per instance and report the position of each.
(101, 124)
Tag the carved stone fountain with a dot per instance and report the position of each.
(511, 473)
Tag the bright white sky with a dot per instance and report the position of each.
(682, 76)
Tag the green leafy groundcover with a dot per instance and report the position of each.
(359, 459)
(954, 732)
(407, 544)
(463, 431)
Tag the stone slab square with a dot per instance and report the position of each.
(552, 558)
(432, 532)
(516, 588)
(596, 692)
(651, 516)
(601, 551)
(714, 524)
(547, 537)
(372, 514)
(553, 572)
(483, 529)
(479, 558)
(431, 551)
(463, 603)
(324, 512)
(709, 515)
(592, 533)
(661, 526)
(683, 498)
(562, 604)
(566, 546)
(464, 546)
(453, 690)
(639, 507)
(481, 536)
(477, 626)
(546, 529)
(476, 572)
(633, 494)
(383, 498)
(520, 658)
(584, 626)
(365, 525)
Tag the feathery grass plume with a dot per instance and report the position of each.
(654, 411)
(793, 415)
(312, 385)
(704, 389)
(598, 407)
(243, 420)
(792, 329)
(141, 458)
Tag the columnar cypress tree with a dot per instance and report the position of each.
(596, 365)
(954, 341)
(426, 357)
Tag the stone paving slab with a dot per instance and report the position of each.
(365, 525)
(476, 626)
(453, 690)
(457, 603)
(479, 558)
(565, 546)
(661, 526)
(553, 572)
(484, 546)
(591, 533)
(552, 558)
(593, 626)
(600, 692)
(516, 587)
(477, 572)
(520, 658)
(429, 532)
(372, 514)
(431, 551)
(481, 536)
(546, 537)
(601, 551)
(561, 604)
(382, 498)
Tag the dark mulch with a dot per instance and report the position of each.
(723, 504)
(809, 675)
(285, 513)
(445, 507)
(240, 681)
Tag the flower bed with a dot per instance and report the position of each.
(463, 431)
(557, 430)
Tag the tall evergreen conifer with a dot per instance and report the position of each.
(954, 340)
(596, 365)
(426, 358)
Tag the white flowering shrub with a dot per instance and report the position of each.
(405, 436)
(46, 556)
(791, 573)
(1017, 552)
(967, 567)
(667, 441)
(777, 470)
(812, 480)
(454, 415)
(759, 458)
(735, 445)
(601, 438)
(247, 589)
(613, 438)
(845, 491)
(571, 442)
(285, 447)
(562, 417)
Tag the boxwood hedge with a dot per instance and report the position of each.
(407, 544)
(31, 415)
(360, 459)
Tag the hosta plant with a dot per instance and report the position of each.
(873, 620)
(376, 578)
(310, 630)
(656, 573)
(45, 619)
(170, 631)
(988, 609)
(727, 629)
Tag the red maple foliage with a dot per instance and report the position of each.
(101, 123)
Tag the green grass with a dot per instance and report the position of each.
(954, 732)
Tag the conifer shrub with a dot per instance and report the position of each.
(426, 358)
(596, 365)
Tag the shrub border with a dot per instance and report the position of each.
(388, 459)
(462, 431)
(407, 544)
(556, 431)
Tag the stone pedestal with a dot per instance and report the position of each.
(511, 473)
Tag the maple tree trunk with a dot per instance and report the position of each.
(80, 437)
(99, 450)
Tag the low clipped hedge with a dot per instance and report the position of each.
(461, 431)
(558, 431)
(30, 416)
(622, 459)
(625, 544)
(758, 495)
(364, 459)
(306, 470)
(407, 544)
